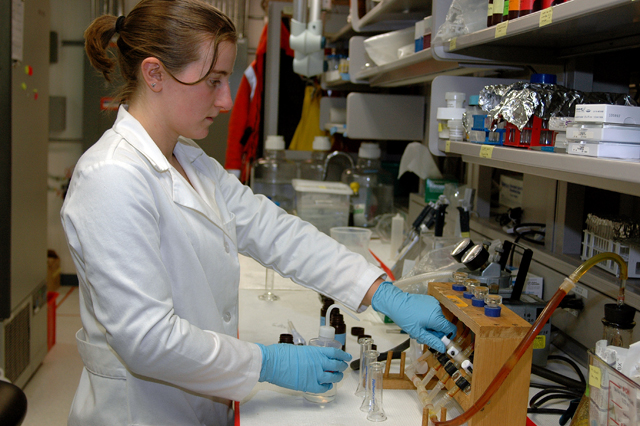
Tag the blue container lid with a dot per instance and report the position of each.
(467, 295)
(474, 100)
(458, 287)
(543, 78)
(479, 303)
(492, 311)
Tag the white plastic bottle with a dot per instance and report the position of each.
(375, 193)
(272, 175)
(324, 339)
(313, 169)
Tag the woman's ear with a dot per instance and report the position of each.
(153, 73)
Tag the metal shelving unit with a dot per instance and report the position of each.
(611, 174)
(577, 27)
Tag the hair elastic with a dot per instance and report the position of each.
(119, 23)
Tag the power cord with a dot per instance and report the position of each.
(570, 390)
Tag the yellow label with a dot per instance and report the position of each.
(595, 376)
(452, 43)
(465, 234)
(501, 29)
(539, 342)
(457, 301)
(490, 11)
(447, 146)
(439, 127)
(546, 16)
(486, 151)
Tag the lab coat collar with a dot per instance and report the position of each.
(132, 131)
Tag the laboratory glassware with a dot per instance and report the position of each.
(325, 339)
(272, 175)
(268, 287)
(370, 357)
(374, 379)
(365, 346)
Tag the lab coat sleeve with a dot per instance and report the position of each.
(295, 248)
(113, 226)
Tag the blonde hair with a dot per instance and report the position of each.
(170, 30)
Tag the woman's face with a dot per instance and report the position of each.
(190, 110)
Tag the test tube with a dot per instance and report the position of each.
(450, 370)
(442, 359)
(374, 377)
(365, 345)
(370, 357)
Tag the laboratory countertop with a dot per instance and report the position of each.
(264, 321)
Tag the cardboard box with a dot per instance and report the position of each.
(511, 189)
(433, 188)
(603, 113)
(534, 284)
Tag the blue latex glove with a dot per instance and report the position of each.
(306, 368)
(417, 314)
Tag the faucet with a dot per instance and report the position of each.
(333, 155)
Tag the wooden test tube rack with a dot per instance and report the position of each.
(495, 340)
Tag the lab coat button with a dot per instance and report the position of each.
(226, 317)
(226, 247)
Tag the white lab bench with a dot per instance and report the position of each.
(263, 322)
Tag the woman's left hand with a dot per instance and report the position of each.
(417, 314)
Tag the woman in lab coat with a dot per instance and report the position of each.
(155, 227)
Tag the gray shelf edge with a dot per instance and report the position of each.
(562, 13)
(377, 14)
(595, 278)
(610, 174)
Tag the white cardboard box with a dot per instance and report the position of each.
(534, 284)
(613, 114)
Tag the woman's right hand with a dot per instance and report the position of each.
(306, 368)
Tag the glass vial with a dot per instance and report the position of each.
(376, 412)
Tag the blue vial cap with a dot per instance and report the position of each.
(467, 295)
(479, 303)
(474, 100)
(543, 78)
(492, 311)
(458, 287)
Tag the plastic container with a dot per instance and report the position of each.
(455, 99)
(473, 109)
(272, 175)
(383, 48)
(323, 204)
(313, 169)
(355, 239)
(326, 338)
(375, 186)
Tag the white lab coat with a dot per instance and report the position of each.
(157, 262)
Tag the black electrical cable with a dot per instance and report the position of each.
(572, 364)
(570, 390)
(557, 378)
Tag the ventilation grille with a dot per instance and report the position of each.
(16, 344)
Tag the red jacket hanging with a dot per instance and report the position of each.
(246, 114)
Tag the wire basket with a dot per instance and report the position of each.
(592, 244)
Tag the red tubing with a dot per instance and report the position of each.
(510, 363)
